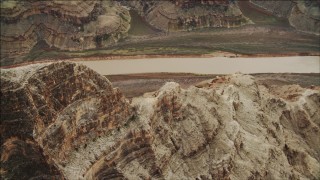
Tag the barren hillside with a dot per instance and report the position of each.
(41, 30)
(63, 120)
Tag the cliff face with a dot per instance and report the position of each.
(233, 129)
(57, 108)
(66, 25)
(35, 29)
(176, 15)
(83, 25)
(73, 124)
(302, 15)
(305, 16)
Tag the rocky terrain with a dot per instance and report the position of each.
(63, 120)
(134, 85)
(180, 15)
(81, 25)
(37, 30)
(303, 15)
(66, 25)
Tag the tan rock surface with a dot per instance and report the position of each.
(231, 128)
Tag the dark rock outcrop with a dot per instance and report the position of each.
(53, 110)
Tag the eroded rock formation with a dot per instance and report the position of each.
(33, 30)
(66, 25)
(303, 15)
(73, 124)
(57, 107)
(176, 15)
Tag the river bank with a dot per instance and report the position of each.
(217, 54)
(208, 65)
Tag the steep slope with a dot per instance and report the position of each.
(177, 15)
(66, 25)
(302, 15)
(233, 129)
(50, 111)
(73, 124)
(34, 30)
(305, 16)
(278, 8)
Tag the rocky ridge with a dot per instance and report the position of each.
(77, 126)
(66, 25)
(176, 15)
(58, 107)
(82, 25)
(40, 29)
(302, 15)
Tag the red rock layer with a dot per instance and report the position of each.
(52, 110)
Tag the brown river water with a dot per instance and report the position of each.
(213, 65)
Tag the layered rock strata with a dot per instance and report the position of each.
(53, 110)
(76, 126)
(66, 25)
(32, 30)
(302, 15)
(176, 15)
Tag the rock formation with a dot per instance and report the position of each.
(52, 111)
(39, 29)
(66, 25)
(177, 15)
(71, 123)
(302, 15)
(278, 8)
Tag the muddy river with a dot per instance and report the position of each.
(214, 65)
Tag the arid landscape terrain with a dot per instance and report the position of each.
(135, 85)
(63, 120)
(160, 89)
(42, 30)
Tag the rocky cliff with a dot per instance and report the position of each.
(66, 25)
(63, 120)
(53, 111)
(177, 15)
(302, 15)
(34, 29)
(29, 26)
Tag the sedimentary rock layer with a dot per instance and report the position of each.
(66, 25)
(303, 15)
(74, 125)
(32, 30)
(176, 15)
(53, 110)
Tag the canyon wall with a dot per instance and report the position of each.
(33, 30)
(65, 25)
(302, 15)
(73, 124)
(53, 110)
(177, 15)
(29, 26)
